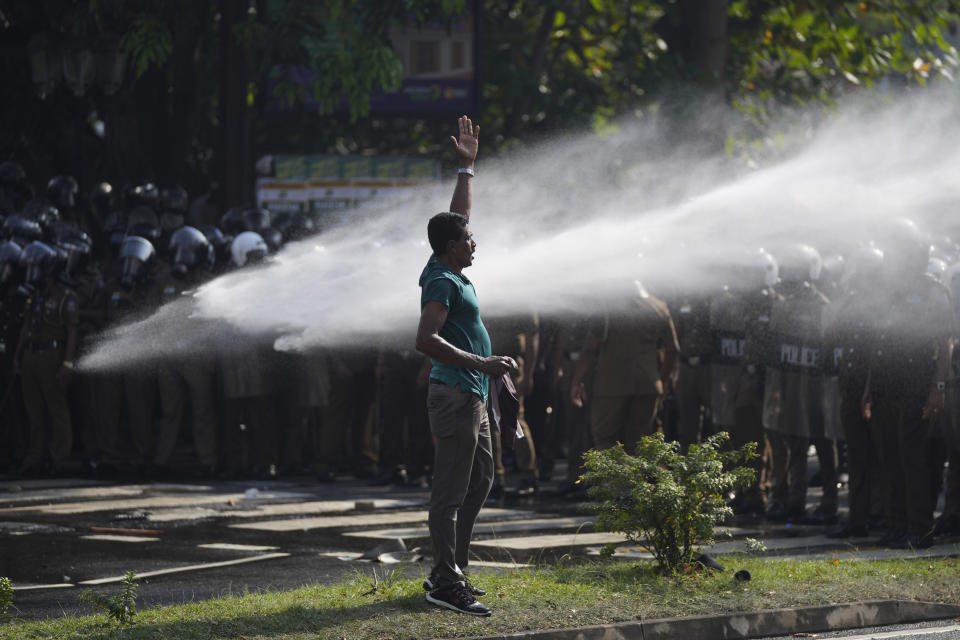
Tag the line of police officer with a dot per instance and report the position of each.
(69, 271)
(772, 359)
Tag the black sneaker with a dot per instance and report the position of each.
(431, 583)
(457, 597)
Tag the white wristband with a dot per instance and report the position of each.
(466, 170)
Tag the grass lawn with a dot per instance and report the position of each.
(577, 594)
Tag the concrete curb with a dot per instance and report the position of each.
(755, 624)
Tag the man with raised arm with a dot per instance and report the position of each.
(452, 334)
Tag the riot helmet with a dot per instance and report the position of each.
(951, 279)
(937, 269)
(62, 191)
(232, 221)
(220, 241)
(41, 261)
(77, 247)
(136, 255)
(174, 199)
(11, 256)
(144, 194)
(21, 230)
(273, 238)
(41, 212)
(293, 226)
(190, 249)
(143, 222)
(14, 189)
(799, 263)
(906, 249)
(248, 248)
(757, 272)
(103, 199)
(864, 268)
(255, 219)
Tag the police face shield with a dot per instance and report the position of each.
(10, 255)
(184, 260)
(77, 257)
(134, 255)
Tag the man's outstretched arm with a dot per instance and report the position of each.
(466, 148)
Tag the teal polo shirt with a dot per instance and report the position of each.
(463, 329)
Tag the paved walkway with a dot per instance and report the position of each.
(191, 540)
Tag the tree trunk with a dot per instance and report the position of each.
(234, 148)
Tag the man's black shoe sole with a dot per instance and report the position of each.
(447, 605)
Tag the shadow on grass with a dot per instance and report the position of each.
(290, 620)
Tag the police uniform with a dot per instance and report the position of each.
(793, 393)
(306, 388)
(848, 337)
(49, 318)
(574, 421)
(740, 327)
(132, 393)
(178, 377)
(915, 324)
(510, 337)
(245, 377)
(90, 288)
(693, 389)
(405, 442)
(14, 429)
(627, 386)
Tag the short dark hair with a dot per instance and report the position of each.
(443, 228)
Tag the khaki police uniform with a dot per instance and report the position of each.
(793, 392)
(627, 386)
(181, 379)
(50, 316)
(916, 321)
(14, 427)
(249, 441)
(693, 389)
(740, 328)
(848, 338)
(509, 337)
(306, 388)
(90, 288)
(574, 421)
(128, 398)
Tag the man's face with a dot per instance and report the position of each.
(462, 250)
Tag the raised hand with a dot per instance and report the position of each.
(467, 145)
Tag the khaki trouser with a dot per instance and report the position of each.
(47, 408)
(789, 454)
(692, 395)
(904, 436)
(623, 419)
(863, 453)
(175, 381)
(132, 392)
(462, 475)
(749, 428)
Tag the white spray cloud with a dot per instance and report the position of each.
(563, 225)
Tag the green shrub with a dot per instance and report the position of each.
(6, 598)
(122, 606)
(670, 500)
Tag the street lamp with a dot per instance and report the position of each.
(78, 69)
(76, 65)
(111, 68)
(45, 66)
